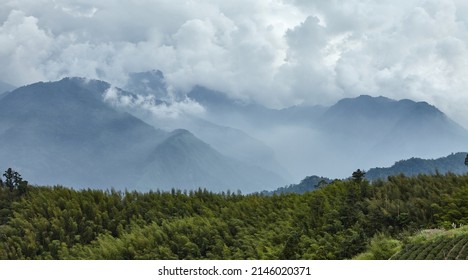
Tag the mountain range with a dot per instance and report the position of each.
(65, 133)
(361, 132)
(88, 133)
(453, 163)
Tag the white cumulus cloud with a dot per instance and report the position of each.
(276, 52)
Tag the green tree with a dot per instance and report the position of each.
(381, 247)
(14, 181)
(291, 247)
(9, 178)
(358, 175)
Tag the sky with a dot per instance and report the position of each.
(277, 53)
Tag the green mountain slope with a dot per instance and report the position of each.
(307, 184)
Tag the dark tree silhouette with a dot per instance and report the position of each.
(466, 160)
(358, 175)
(14, 181)
(9, 177)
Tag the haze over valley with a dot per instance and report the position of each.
(88, 133)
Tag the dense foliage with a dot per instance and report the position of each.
(336, 221)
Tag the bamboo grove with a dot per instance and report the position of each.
(336, 221)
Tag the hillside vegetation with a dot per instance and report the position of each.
(337, 221)
(436, 245)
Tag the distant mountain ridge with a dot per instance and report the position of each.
(71, 131)
(359, 132)
(453, 163)
(190, 162)
(309, 183)
(209, 126)
(372, 131)
(65, 133)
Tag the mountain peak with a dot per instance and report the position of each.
(366, 106)
(55, 98)
(180, 132)
(368, 98)
(363, 102)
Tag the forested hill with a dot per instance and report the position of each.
(411, 167)
(336, 221)
(414, 166)
(308, 184)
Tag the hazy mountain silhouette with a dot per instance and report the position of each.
(209, 127)
(359, 132)
(453, 163)
(237, 113)
(367, 131)
(235, 144)
(183, 160)
(64, 133)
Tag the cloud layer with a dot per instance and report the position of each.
(275, 52)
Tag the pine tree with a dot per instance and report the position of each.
(14, 181)
(358, 175)
(9, 177)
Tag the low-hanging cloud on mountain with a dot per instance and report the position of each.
(278, 53)
(148, 104)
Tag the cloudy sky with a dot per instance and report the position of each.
(275, 52)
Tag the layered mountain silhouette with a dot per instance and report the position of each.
(225, 136)
(361, 132)
(65, 133)
(223, 109)
(184, 160)
(69, 132)
(379, 131)
(453, 163)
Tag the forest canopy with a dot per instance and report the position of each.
(336, 221)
